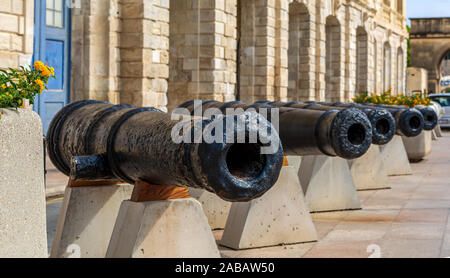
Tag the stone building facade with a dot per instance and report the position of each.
(16, 32)
(164, 52)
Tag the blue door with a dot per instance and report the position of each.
(52, 47)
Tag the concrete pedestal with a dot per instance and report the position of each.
(215, 209)
(419, 146)
(294, 161)
(279, 216)
(368, 171)
(328, 184)
(395, 158)
(438, 130)
(86, 220)
(433, 135)
(22, 188)
(161, 229)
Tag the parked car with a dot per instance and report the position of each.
(444, 101)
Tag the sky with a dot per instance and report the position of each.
(427, 8)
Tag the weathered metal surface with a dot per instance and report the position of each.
(409, 121)
(430, 118)
(383, 124)
(91, 140)
(345, 133)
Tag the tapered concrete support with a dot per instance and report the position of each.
(22, 188)
(433, 135)
(279, 216)
(328, 184)
(419, 146)
(368, 171)
(86, 220)
(174, 228)
(294, 161)
(438, 130)
(395, 158)
(215, 209)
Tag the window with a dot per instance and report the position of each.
(443, 101)
(54, 13)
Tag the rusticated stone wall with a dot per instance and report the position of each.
(164, 52)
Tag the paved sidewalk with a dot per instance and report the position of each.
(55, 181)
(409, 220)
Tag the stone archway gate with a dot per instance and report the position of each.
(430, 42)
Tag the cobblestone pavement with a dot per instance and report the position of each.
(409, 220)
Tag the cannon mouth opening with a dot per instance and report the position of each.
(356, 134)
(430, 119)
(382, 126)
(414, 122)
(411, 123)
(245, 161)
(351, 133)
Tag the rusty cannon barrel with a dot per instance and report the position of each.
(94, 140)
(383, 123)
(409, 122)
(430, 118)
(345, 133)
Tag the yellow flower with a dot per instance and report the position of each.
(45, 71)
(3, 86)
(38, 65)
(40, 84)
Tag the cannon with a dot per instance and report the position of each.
(346, 133)
(409, 122)
(383, 124)
(95, 140)
(430, 118)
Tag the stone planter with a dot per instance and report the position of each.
(419, 146)
(22, 188)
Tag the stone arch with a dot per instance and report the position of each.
(299, 53)
(400, 72)
(362, 56)
(446, 68)
(387, 65)
(430, 40)
(333, 70)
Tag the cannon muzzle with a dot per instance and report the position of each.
(383, 124)
(94, 140)
(409, 121)
(345, 133)
(430, 117)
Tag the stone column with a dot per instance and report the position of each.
(320, 49)
(281, 49)
(263, 50)
(203, 50)
(355, 54)
(144, 51)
